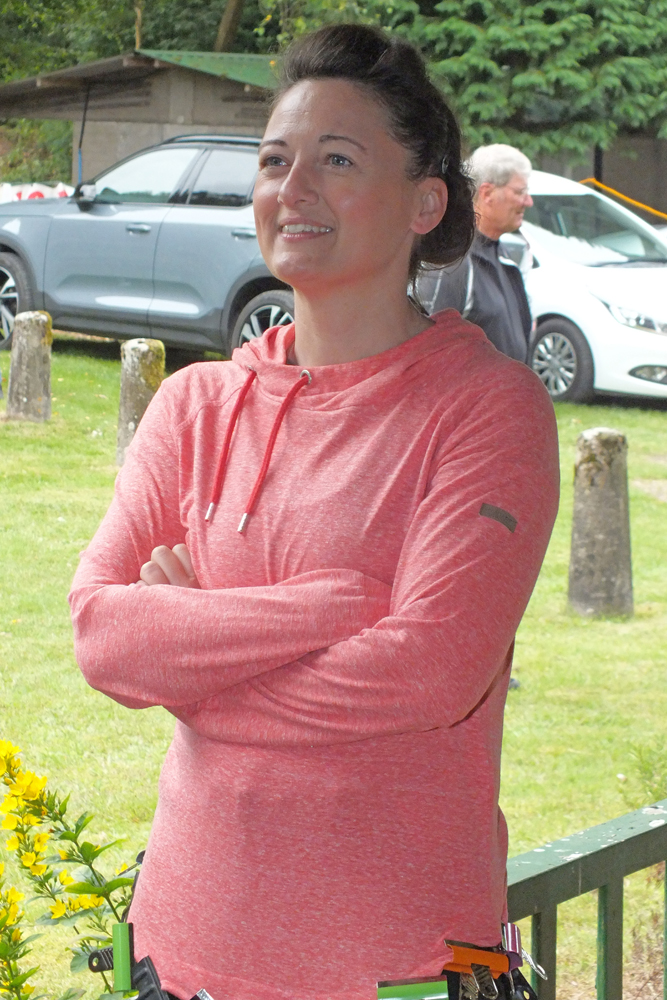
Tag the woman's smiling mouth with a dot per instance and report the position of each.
(293, 229)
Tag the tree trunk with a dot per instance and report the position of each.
(229, 25)
(29, 394)
(141, 373)
(600, 562)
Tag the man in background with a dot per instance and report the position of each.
(487, 287)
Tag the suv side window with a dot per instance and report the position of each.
(226, 179)
(149, 178)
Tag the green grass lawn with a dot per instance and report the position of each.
(592, 701)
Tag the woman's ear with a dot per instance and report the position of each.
(432, 204)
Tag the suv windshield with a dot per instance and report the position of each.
(587, 230)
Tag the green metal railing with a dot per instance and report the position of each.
(598, 858)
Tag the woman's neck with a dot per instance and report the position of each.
(335, 328)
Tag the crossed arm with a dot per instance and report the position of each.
(330, 655)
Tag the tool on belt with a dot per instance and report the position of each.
(127, 973)
(472, 974)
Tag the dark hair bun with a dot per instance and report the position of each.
(419, 118)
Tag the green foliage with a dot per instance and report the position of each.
(34, 816)
(291, 18)
(35, 151)
(647, 780)
(549, 76)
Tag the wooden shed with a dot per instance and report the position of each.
(134, 100)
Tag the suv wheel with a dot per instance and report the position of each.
(274, 308)
(16, 295)
(561, 357)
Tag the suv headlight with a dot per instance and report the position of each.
(636, 319)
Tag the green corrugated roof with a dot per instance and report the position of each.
(259, 71)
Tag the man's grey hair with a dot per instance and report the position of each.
(497, 164)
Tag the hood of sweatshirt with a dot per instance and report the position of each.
(264, 361)
(267, 356)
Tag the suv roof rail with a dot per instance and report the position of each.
(228, 140)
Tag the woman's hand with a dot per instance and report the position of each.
(169, 566)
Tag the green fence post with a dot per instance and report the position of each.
(543, 946)
(609, 979)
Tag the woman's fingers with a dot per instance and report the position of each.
(169, 566)
(182, 554)
(151, 574)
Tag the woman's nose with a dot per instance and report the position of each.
(528, 201)
(298, 187)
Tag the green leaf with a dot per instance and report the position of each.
(23, 978)
(116, 883)
(71, 994)
(79, 961)
(83, 821)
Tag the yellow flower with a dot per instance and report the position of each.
(10, 803)
(27, 785)
(37, 869)
(41, 840)
(65, 878)
(31, 820)
(63, 854)
(14, 896)
(12, 843)
(8, 750)
(10, 822)
(28, 859)
(16, 935)
(26, 990)
(122, 868)
(58, 910)
(2, 867)
(13, 913)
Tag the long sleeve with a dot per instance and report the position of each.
(466, 572)
(173, 646)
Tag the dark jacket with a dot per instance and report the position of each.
(487, 288)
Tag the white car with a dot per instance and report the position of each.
(597, 284)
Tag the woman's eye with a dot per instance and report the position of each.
(272, 160)
(338, 160)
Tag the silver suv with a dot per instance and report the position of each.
(161, 245)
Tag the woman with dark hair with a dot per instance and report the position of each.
(317, 557)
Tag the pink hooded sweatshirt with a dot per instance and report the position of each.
(328, 809)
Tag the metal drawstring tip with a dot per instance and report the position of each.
(243, 522)
(209, 512)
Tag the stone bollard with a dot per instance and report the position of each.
(29, 393)
(600, 562)
(141, 372)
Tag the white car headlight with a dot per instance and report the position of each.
(636, 319)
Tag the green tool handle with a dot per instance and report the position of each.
(122, 959)
(414, 989)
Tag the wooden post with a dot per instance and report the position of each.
(600, 562)
(141, 373)
(29, 393)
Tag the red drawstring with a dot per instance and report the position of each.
(305, 379)
(222, 462)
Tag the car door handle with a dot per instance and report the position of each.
(244, 234)
(137, 227)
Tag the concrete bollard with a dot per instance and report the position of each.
(141, 373)
(600, 561)
(29, 393)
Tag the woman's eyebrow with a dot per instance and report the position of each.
(271, 142)
(346, 138)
